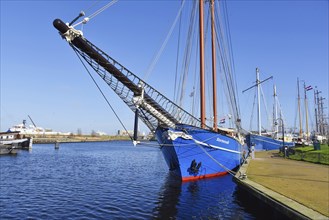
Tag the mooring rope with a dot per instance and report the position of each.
(216, 161)
(211, 157)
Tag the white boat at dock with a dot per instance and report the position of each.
(31, 130)
(15, 139)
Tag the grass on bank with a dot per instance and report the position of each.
(308, 153)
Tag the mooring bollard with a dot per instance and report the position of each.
(253, 152)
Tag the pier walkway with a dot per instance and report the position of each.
(296, 188)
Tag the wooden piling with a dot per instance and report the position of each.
(56, 145)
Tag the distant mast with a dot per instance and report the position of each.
(202, 77)
(299, 112)
(214, 79)
(258, 82)
(315, 111)
(306, 112)
(258, 100)
(275, 111)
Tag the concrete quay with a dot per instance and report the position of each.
(299, 190)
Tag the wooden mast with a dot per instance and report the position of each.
(214, 80)
(202, 77)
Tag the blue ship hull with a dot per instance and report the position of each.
(266, 143)
(193, 153)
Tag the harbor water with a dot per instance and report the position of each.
(112, 180)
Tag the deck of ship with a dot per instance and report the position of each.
(297, 189)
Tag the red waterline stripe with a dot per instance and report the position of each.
(192, 178)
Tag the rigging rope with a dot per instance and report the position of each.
(252, 112)
(216, 161)
(280, 110)
(229, 79)
(100, 90)
(151, 67)
(187, 56)
(86, 19)
(265, 106)
(90, 7)
(177, 55)
(211, 157)
(195, 103)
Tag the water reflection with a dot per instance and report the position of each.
(210, 198)
(193, 188)
(259, 209)
(168, 198)
(217, 198)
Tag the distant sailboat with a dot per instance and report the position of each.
(267, 141)
(303, 137)
(321, 133)
(192, 149)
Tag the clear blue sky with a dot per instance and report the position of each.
(42, 77)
